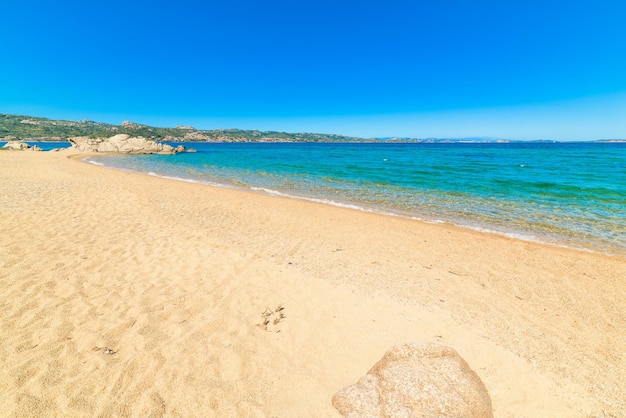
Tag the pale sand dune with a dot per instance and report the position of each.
(173, 277)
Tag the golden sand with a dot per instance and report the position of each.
(130, 295)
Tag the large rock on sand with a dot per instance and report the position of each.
(20, 145)
(121, 143)
(416, 380)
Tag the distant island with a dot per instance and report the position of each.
(30, 128)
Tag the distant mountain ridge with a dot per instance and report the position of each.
(42, 129)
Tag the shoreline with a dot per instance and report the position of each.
(174, 276)
(557, 240)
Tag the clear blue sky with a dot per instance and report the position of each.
(523, 70)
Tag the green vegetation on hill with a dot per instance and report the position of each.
(42, 129)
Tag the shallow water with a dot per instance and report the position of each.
(570, 194)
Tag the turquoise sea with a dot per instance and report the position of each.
(569, 194)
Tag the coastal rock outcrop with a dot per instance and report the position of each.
(20, 145)
(132, 125)
(416, 380)
(122, 143)
(196, 136)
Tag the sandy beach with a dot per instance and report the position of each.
(130, 295)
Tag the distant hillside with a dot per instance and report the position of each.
(42, 129)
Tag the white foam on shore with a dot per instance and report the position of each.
(185, 179)
(90, 161)
(314, 199)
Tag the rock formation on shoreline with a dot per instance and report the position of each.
(20, 145)
(123, 143)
